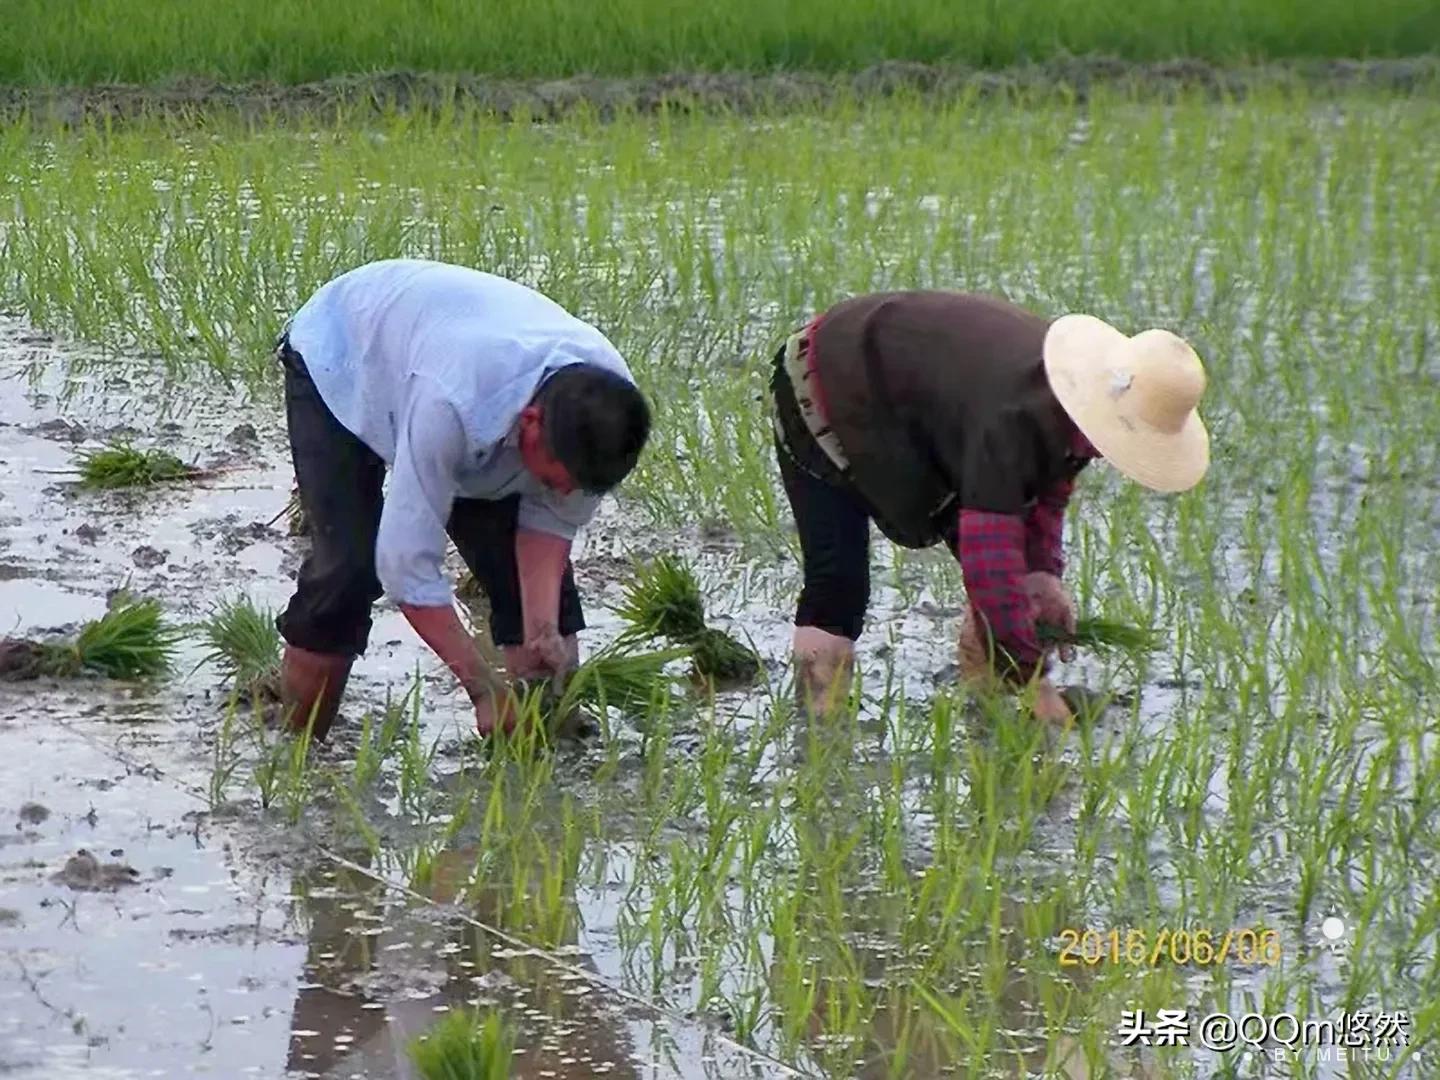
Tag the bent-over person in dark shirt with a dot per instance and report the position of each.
(962, 418)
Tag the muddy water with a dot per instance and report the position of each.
(140, 935)
(240, 948)
(230, 951)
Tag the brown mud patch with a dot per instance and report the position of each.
(1068, 78)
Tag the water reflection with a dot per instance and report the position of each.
(901, 965)
(378, 974)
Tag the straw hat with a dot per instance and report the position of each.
(1134, 398)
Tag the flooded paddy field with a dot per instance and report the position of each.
(726, 888)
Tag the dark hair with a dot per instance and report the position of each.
(595, 422)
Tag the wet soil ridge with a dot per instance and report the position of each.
(1071, 78)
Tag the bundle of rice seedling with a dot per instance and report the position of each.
(633, 682)
(244, 646)
(130, 641)
(720, 657)
(1099, 634)
(466, 1045)
(122, 465)
(664, 601)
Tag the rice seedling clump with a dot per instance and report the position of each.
(244, 645)
(124, 466)
(1100, 634)
(619, 677)
(664, 601)
(466, 1045)
(130, 641)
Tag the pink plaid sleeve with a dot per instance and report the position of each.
(1045, 530)
(991, 549)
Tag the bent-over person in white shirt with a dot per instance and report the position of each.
(502, 420)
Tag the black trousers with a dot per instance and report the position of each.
(341, 481)
(831, 517)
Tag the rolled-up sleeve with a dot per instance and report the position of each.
(410, 549)
(560, 516)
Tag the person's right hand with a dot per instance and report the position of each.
(1051, 603)
(495, 708)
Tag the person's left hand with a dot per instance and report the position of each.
(546, 654)
(1051, 603)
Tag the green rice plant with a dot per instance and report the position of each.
(633, 682)
(131, 640)
(123, 466)
(244, 644)
(225, 758)
(289, 41)
(663, 600)
(719, 656)
(1100, 634)
(465, 1045)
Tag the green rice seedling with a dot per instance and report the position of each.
(244, 644)
(1100, 634)
(465, 1045)
(123, 466)
(633, 682)
(225, 757)
(663, 600)
(130, 641)
(267, 770)
(297, 784)
(377, 741)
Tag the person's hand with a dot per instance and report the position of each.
(545, 655)
(495, 707)
(1050, 706)
(552, 653)
(1051, 603)
(973, 654)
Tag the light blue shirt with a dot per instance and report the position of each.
(429, 365)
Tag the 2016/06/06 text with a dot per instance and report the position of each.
(1142, 948)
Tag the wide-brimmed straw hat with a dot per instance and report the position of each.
(1135, 398)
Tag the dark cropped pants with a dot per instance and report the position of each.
(340, 481)
(832, 519)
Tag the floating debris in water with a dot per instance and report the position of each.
(85, 873)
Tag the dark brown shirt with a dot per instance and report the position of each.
(941, 403)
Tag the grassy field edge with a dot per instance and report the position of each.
(1066, 79)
